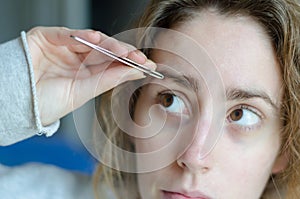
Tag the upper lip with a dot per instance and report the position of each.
(190, 194)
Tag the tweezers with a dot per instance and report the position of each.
(123, 60)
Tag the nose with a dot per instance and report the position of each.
(198, 156)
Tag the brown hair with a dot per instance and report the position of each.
(281, 21)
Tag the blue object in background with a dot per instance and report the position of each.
(53, 150)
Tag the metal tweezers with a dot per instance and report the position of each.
(123, 60)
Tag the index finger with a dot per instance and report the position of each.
(61, 36)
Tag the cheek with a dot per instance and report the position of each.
(249, 170)
(148, 184)
(145, 185)
(156, 130)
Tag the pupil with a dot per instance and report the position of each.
(167, 100)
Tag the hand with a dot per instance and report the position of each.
(68, 74)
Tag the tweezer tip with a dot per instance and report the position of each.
(161, 76)
(157, 75)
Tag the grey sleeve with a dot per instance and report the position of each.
(19, 116)
(36, 181)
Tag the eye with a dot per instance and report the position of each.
(172, 103)
(244, 117)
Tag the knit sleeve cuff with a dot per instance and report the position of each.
(41, 130)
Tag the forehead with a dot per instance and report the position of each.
(237, 47)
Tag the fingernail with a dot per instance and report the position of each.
(150, 64)
(140, 54)
(123, 51)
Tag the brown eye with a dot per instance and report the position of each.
(236, 115)
(166, 100)
(172, 104)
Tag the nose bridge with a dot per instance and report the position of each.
(198, 154)
(207, 128)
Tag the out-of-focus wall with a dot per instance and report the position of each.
(114, 16)
(18, 15)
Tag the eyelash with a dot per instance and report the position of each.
(248, 108)
(169, 92)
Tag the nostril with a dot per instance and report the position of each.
(181, 164)
(204, 169)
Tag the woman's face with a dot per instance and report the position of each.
(245, 124)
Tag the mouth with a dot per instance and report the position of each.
(185, 195)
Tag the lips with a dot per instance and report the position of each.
(177, 195)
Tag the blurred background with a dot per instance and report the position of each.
(64, 149)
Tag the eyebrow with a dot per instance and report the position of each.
(232, 94)
(185, 80)
(240, 94)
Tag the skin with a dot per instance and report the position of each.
(246, 152)
(70, 73)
